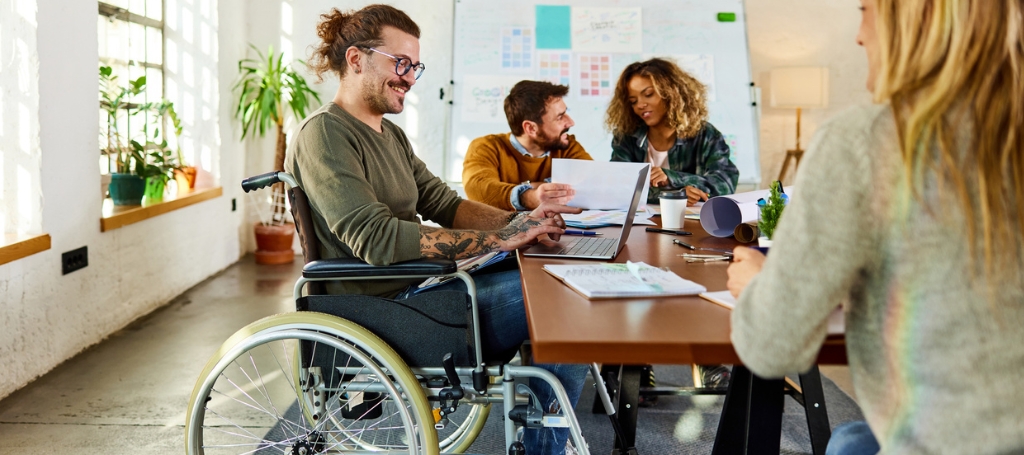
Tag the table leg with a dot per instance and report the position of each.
(628, 407)
(751, 420)
(814, 405)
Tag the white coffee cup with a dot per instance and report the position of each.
(673, 209)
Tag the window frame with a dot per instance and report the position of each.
(113, 13)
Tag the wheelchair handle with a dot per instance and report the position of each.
(265, 180)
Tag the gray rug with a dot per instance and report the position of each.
(676, 424)
(680, 424)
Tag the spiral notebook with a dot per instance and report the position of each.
(632, 279)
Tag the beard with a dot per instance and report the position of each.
(553, 143)
(375, 93)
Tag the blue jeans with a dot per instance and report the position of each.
(499, 297)
(852, 438)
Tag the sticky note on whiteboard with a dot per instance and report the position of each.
(726, 17)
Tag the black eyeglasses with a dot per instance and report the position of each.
(403, 65)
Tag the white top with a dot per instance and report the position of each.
(657, 158)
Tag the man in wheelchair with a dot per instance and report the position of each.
(366, 186)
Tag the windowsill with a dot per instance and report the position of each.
(120, 216)
(17, 246)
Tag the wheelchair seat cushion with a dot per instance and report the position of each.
(421, 329)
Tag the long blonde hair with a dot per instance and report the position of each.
(950, 63)
(685, 95)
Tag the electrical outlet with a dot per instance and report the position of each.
(234, 205)
(74, 260)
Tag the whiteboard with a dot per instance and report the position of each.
(497, 44)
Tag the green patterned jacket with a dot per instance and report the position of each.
(701, 161)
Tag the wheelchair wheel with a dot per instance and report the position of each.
(249, 400)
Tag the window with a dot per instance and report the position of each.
(131, 43)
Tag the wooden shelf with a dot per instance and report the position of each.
(119, 216)
(17, 246)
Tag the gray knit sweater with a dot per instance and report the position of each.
(365, 189)
(937, 366)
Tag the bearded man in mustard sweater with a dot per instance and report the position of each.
(512, 171)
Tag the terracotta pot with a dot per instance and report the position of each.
(186, 178)
(274, 244)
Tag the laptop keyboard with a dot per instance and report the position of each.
(589, 246)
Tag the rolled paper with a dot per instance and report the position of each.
(721, 215)
(747, 232)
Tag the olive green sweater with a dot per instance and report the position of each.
(365, 189)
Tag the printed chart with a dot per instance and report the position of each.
(595, 76)
(554, 67)
(517, 46)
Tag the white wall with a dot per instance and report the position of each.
(46, 318)
(803, 33)
(19, 131)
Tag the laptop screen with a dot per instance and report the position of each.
(627, 224)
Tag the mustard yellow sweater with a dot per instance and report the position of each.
(493, 167)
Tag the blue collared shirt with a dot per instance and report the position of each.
(522, 187)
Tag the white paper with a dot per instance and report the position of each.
(607, 30)
(721, 214)
(700, 66)
(600, 185)
(836, 319)
(483, 98)
(606, 217)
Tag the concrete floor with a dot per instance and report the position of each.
(128, 394)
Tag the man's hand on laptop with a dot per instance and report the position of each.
(526, 229)
(557, 193)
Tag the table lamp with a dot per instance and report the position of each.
(799, 88)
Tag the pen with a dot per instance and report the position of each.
(668, 231)
(577, 232)
(684, 244)
(718, 259)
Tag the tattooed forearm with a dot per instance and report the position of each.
(455, 244)
(518, 224)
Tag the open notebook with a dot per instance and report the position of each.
(632, 279)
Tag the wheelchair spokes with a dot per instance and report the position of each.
(256, 401)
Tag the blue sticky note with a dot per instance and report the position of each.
(553, 24)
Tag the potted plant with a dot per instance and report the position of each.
(770, 212)
(267, 89)
(141, 165)
(184, 175)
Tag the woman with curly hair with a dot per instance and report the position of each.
(658, 115)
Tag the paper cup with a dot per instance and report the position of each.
(673, 209)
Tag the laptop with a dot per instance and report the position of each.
(593, 247)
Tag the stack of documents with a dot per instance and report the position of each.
(468, 265)
(590, 219)
(632, 279)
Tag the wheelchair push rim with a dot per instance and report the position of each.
(233, 382)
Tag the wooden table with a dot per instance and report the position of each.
(565, 327)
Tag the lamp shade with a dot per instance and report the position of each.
(801, 87)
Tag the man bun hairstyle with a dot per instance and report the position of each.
(528, 100)
(339, 31)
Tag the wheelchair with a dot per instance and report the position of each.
(359, 374)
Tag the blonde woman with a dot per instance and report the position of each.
(910, 212)
(658, 115)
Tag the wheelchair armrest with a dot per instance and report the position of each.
(348, 268)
